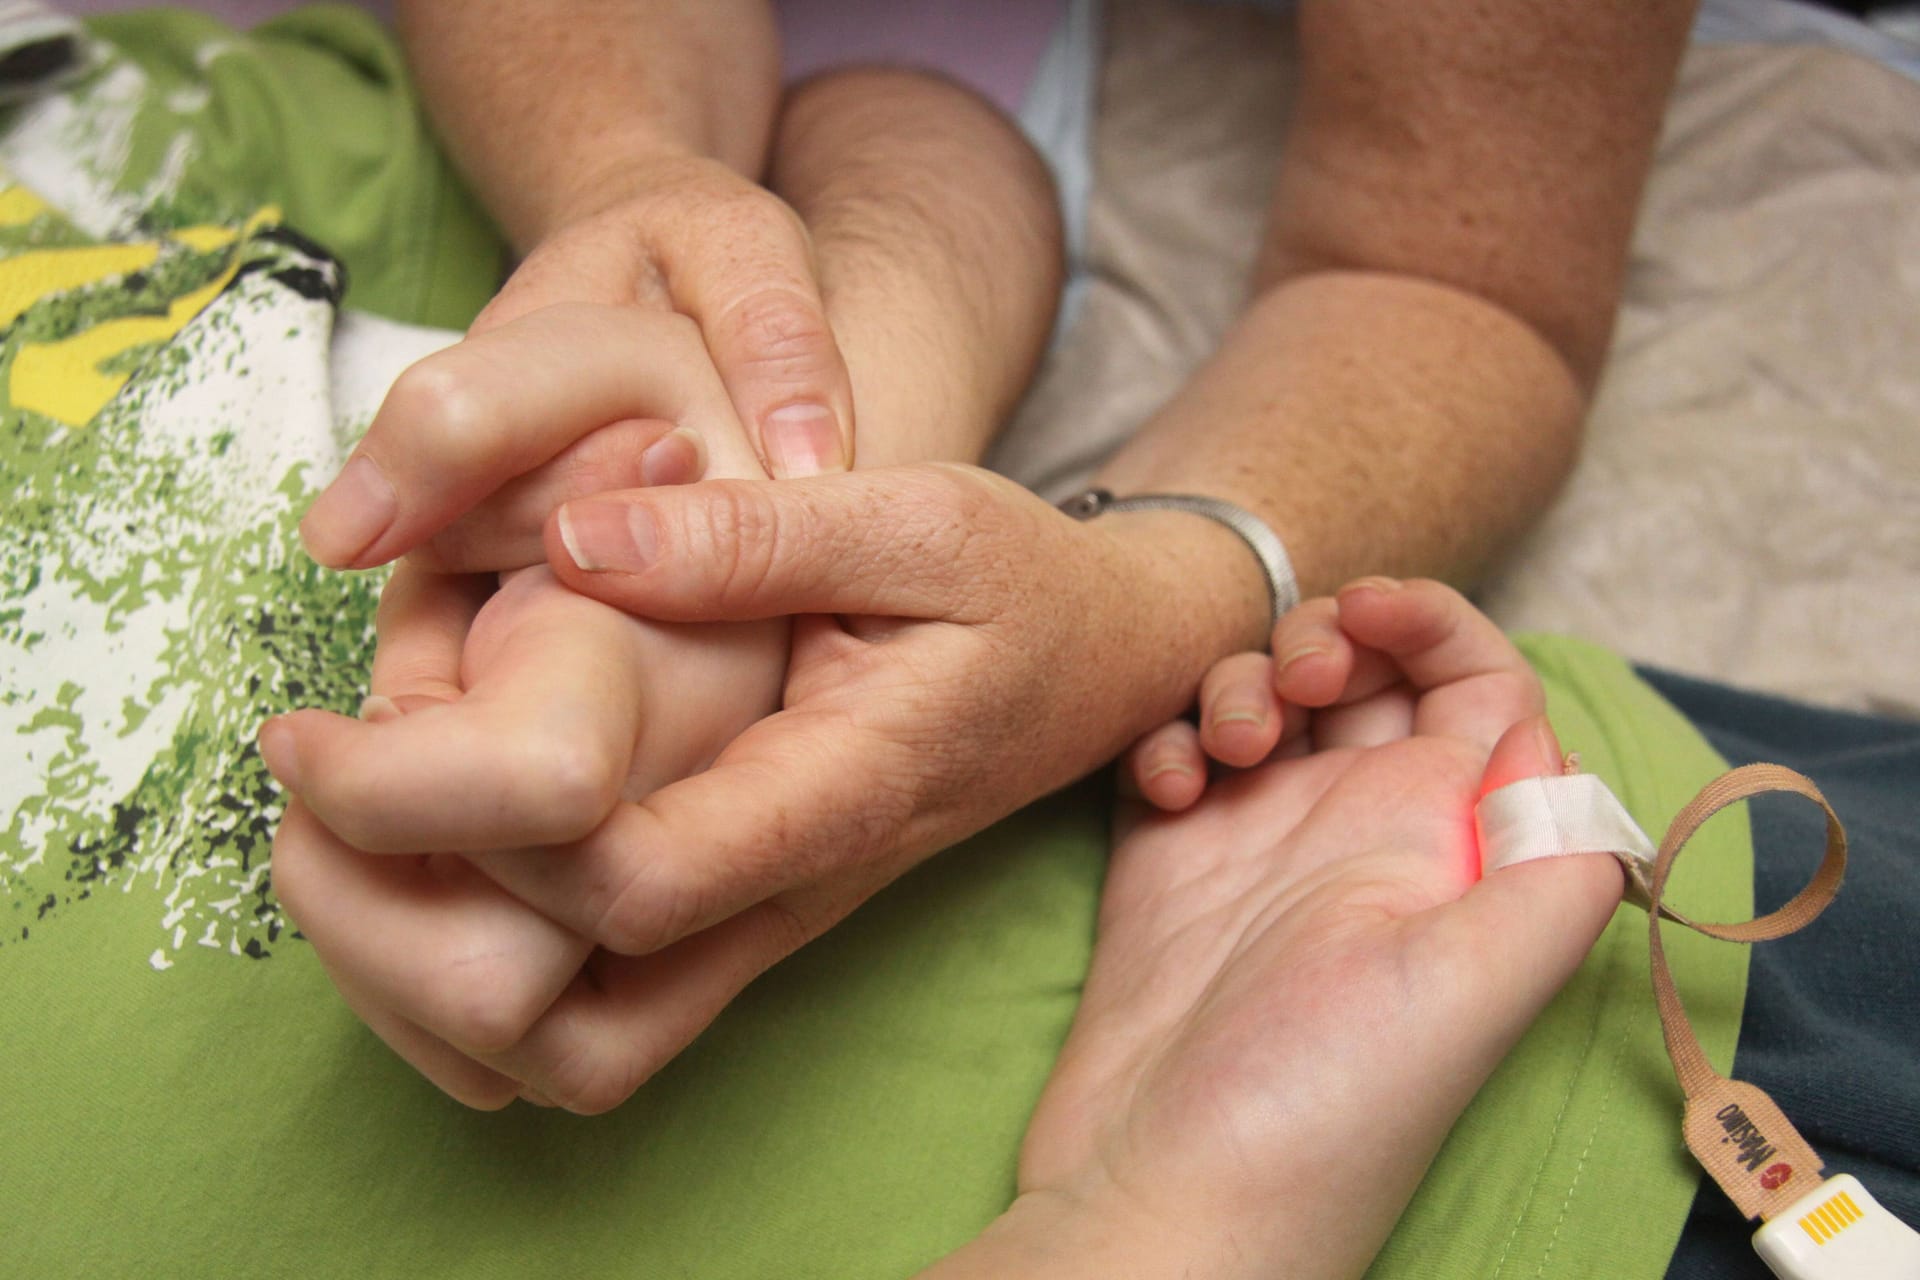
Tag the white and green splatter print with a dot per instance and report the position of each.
(169, 399)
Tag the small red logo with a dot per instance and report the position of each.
(1776, 1176)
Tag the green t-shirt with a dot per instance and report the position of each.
(181, 1092)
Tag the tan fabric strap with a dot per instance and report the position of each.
(1734, 1129)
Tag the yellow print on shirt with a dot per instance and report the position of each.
(100, 307)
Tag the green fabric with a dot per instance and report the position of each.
(855, 1114)
(314, 112)
(1569, 1163)
(214, 1110)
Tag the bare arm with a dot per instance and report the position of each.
(1435, 295)
(546, 108)
(938, 239)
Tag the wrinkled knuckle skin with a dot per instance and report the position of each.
(644, 914)
(767, 218)
(778, 333)
(591, 1084)
(783, 930)
(741, 537)
(963, 522)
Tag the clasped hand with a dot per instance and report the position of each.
(565, 836)
(518, 866)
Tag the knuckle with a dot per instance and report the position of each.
(488, 1097)
(563, 784)
(764, 216)
(782, 930)
(645, 912)
(591, 1083)
(741, 536)
(479, 1020)
(485, 1005)
(777, 331)
(446, 415)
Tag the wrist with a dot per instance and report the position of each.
(1176, 592)
(1200, 577)
(624, 171)
(1050, 1235)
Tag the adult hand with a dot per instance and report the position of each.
(992, 649)
(699, 240)
(1300, 983)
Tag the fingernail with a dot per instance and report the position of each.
(1243, 714)
(537, 1098)
(278, 754)
(1162, 770)
(1374, 583)
(349, 514)
(679, 457)
(376, 708)
(802, 439)
(608, 535)
(1292, 657)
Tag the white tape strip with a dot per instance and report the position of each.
(1553, 817)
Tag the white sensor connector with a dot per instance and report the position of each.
(1838, 1231)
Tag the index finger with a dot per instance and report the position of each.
(792, 801)
(462, 422)
(759, 307)
(1470, 680)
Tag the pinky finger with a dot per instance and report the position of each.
(1167, 768)
(451, 1071)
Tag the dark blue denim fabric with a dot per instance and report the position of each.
(1832, 1021)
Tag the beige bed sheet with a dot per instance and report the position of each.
(1747, 506)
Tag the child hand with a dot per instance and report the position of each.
(530, 717)
(702, 267)
(475, 446)
(1300, 983)
(1320, 688)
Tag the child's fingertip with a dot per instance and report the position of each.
(1173, 787)
(280, 753)
(679, 457)
(1314, 674)
(1288, 666)
(1378, 583)
(378, 709)
(1241, 738)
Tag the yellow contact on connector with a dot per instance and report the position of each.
(1831, 1218)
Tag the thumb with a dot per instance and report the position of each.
(1528, 749)
(1533, 922)
(895, 542)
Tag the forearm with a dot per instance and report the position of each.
(937, 239)
(1379, 424)
(1437, 288)
(548, 108)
